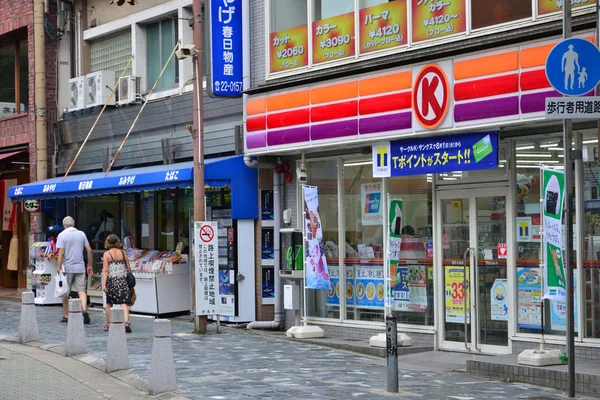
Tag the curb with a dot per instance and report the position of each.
(125, 376)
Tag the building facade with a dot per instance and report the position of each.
(370, 101)
(18, 115)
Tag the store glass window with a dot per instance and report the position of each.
(147, 220)
(14, 70)
(129, 226)
(161, 37)
(286, 14)
(185, 206)
(323, 175)
(494, 12)
(166, 220)
(591, 258)
(414, 272)
(363, 196)
(531, 155)
(98, 217)
(323, 9)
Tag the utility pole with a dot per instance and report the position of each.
(568, 260)
(41, 131)
(198, 128)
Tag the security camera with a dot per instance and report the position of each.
(301, 174)
(185, 51)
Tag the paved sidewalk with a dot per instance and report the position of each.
(239, 365)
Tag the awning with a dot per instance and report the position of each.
(218, 172)
(12, 153)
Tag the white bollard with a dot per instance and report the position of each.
(117, 355)
(162, 369)
(28, 328)
(75, 343)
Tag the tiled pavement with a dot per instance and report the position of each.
(239, 365)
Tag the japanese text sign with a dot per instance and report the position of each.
(289, 48)
(572, 107)
(333, 38)
(553, 199)
(436, 18)
(226, 48)
(549, 6)
(207, 267)
(383, 26)
(465, 152)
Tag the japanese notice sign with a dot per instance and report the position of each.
(315, 264)
(226, 48)
(573, 107)
(370, 290)
(383, 26)
(207, 267)
(498, 301)
(456, 293)
(333, 38)
(370, 194)
(473, 151)
(289, 48)
(553, 199)
(550, 6)
(436, 18)
(8, 206)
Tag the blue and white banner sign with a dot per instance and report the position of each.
(226, 75)
(432, 155)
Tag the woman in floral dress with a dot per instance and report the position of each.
(115, 266)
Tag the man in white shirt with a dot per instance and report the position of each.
(70, 244)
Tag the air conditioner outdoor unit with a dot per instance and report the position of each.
(99, 85)
(77, 92)
(129, 90)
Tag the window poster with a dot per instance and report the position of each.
(268, 285)
(267, 243)
(432, 19)
(529, 292)
(335, 290)
(550, 6)
(372, 210)
(333, 38)
(456, 293)
(289, 48)
(266, 205)
(383, 26)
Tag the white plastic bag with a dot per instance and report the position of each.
(61, 289)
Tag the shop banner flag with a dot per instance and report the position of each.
(553, 201)
(315, 264)
(398, 288)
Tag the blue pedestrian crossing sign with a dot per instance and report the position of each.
(573, 67)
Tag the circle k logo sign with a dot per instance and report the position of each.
(431, 96)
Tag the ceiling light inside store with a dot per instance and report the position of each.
(353, 164)
(549, 145)
(540, 161)
(534, 155)
(528, 166)
(449, 178)
(590, 141)
(526, 147)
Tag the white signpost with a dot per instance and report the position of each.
(207, 268)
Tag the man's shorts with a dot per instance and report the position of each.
(76, 282)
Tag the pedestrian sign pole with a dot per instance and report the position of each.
(568, 260)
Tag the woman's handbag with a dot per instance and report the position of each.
(130, 280)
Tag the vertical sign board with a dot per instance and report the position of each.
(226, 50)
(555, 281)
(207, 267)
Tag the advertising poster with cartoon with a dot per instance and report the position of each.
(553, 199)
(529, 292)
(317, 276)
(498, 304)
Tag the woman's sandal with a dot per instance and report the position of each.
(64, 320)
(105, 328)
(127, 327)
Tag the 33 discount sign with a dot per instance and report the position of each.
(456, 293)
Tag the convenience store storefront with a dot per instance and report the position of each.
(341, 132)
(151, 210)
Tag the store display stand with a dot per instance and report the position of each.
(43, 278)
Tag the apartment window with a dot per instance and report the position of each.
(161, 37)
(112, 52)
(494, 12)
(14, 86)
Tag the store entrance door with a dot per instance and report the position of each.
(472, 231)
